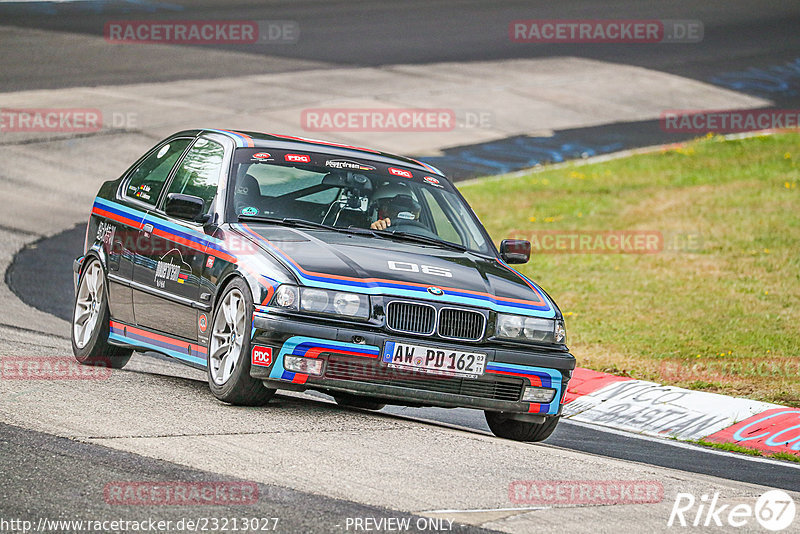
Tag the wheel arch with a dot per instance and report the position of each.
(94, 253)
(227, 278)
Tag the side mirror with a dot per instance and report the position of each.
(515, 250)
(187, 207)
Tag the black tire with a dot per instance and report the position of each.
(503, 426)
(356, 401)
(240, 388)
(97, 350)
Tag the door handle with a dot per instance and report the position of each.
(147, 229)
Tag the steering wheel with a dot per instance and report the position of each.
(411, 227)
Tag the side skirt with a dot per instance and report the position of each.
(139, 338)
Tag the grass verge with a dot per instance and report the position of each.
(731, 447)
(717, 306)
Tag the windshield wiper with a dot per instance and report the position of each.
(288, 221)
(405, 236)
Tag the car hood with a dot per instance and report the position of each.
(364, 264)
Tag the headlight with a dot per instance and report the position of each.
(537, 329)
(561, 332)
(509, 326)
(534, 329)
(347, 303)
(286, 297)
(315, 300)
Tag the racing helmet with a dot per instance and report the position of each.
(395, 201)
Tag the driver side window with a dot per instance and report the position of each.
(444, 226)
(200, 171)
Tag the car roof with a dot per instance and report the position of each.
(247, 139)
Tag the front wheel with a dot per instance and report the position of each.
(503, 426)
(90, 322)
(229, 350)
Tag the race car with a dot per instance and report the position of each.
(275, 262)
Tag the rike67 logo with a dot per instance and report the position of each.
(262, 356)
(774, 510)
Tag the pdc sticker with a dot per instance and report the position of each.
(262, 356)
(298, 158)
(400, 172)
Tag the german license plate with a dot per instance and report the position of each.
(430, 360)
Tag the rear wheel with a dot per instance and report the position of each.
(229, 350)
(355, 401)
(90, 322)
(503, 426)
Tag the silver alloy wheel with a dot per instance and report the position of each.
(88, 305)
(227, 337)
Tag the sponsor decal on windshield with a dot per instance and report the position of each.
(400, 172)
(432, 181)
(346, 164)
(298, 158)
(249, 211)
(262, 156)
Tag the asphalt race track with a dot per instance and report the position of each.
(318, 466)
(745, 49)
(25, 274)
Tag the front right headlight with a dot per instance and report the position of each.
(313, 300)
(530, 329)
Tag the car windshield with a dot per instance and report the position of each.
(348, 193)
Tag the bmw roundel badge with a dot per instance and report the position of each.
(435, 291)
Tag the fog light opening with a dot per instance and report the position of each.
(538, 395)
(308, 366)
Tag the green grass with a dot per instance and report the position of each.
(719, 308)
(732, 447)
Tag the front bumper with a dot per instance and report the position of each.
(357, 368)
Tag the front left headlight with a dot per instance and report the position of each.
(530, 329)
(313, 300)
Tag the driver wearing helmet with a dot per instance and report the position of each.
(394, 203)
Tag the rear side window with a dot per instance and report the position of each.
(200, 171)
(147, 180)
